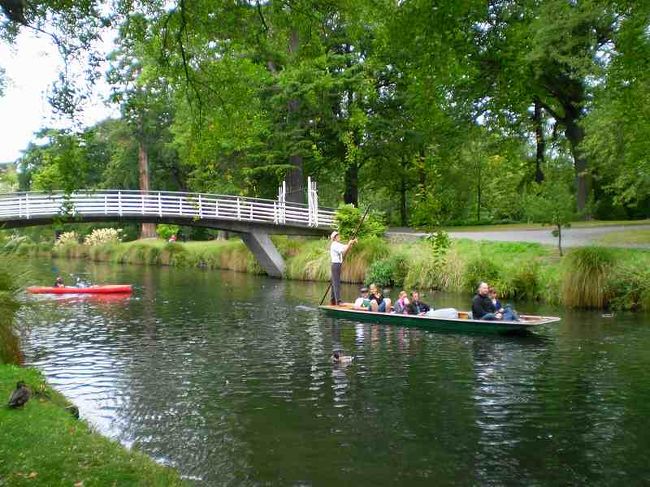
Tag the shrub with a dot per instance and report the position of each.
(67, 238)
(101, 236)
(165, 231)
(381, 272)
(480, 269)
(586, 270)
(348, 217)
(629, 287)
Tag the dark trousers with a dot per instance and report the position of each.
(336, 282)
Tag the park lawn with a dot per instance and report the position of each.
(504, 227)
(626, 237)
(43, 444)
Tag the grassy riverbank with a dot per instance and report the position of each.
(590, 277)
(43, 443)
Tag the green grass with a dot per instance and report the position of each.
(43, 444)
(626, 237)
(536, 226)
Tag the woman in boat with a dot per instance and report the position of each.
(402, 304)
(337, 251)
(378, 302)
(58, 282)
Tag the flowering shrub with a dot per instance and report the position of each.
(101, 236)
(67, 238)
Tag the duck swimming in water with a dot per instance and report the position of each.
(337, 358)
(20, 396)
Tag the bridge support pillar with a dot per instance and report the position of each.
(265, 252)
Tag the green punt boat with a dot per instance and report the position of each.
(462, 323)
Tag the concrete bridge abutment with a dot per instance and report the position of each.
(267, 255)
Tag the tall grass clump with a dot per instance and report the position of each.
(312, 263)
(586, 272)
(360, 257)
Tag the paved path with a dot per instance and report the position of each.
(571, 237)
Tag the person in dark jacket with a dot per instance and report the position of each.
(483, 307)
(417, 307)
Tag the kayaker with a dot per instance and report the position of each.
(59, 282)
(337, 251)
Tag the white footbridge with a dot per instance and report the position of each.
(254, 218)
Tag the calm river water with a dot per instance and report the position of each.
(227, 377)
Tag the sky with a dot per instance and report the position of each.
(31, 65)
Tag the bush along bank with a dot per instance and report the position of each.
(43, 442)
(588, 277)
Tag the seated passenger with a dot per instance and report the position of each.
(484, 309)
(402, 304)
(417, 307)
(377, 301)
(508, 313)
(363, 301)
(59, 282)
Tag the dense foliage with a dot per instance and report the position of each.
(432, 112)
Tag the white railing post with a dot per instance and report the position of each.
(159, 205)
(105, 204)
(180, 205)
(119, 202)
(238, 209)
(200, 207)
(142, 202)
(27, 205)
(216, 208)
(20, 207)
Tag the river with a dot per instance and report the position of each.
(226, 377)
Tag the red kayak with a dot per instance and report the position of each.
(107, 289)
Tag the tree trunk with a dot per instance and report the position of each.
(575, 134)
(351, 194)
(559, 238)
(539, 139)
(147, 230)
(294, 178)
(403, 216)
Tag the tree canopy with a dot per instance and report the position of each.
(433, 112)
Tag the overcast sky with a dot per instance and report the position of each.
(31, 66)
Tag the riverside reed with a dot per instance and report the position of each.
(42, 443)
(591, 277)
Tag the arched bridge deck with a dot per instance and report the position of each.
(254, 218)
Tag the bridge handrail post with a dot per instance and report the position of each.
(200, 207)
(105, 204)
(180, 205)
(119, 202)
(27, 205)
(142, 203)
(159, 205)
(238, 209)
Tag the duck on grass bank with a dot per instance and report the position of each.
(19, 396)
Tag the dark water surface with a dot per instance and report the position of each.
(227, 377)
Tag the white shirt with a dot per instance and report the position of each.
(336, 252)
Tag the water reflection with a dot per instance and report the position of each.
(228, 377)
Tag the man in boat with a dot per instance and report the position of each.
(363, 301)
(58, 282)
(337, 251)
(378, 302)
(417, 307)
(483, 308)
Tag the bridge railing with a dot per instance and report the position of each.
(202, 206)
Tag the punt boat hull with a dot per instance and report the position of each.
(462, 323)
